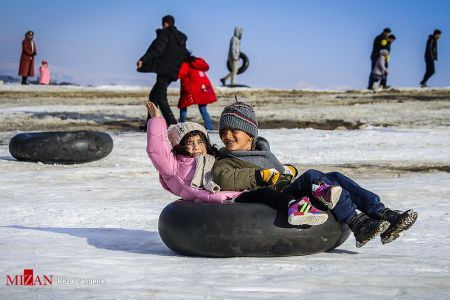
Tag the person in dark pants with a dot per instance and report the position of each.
(379, 41)
(164, 57)
(431, 54)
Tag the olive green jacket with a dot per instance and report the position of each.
(233, 174)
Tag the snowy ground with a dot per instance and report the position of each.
(99, 221)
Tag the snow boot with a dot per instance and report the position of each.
(365, 228)
(329, 195)
(398, 222)
(301, 212)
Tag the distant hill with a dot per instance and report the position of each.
(9, 79)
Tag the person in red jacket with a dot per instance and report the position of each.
(195, 89)
(26, 68)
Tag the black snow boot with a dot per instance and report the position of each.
(365, 228)
(399, 222)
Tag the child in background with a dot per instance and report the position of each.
(195, 89)
(183, 156)
(44, 73)
(380, 70)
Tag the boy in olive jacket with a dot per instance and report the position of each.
(246, 163)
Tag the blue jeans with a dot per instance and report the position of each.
(352, 197)
(203, 112)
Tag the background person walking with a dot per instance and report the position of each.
(164, 57)
(431, 54)
(233, 55)
(26, 68)
(390, 39)
(380, 71)
(379, 41)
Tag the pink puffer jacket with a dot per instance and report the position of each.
(44, 77)
(176, 172)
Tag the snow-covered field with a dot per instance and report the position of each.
(98, 221)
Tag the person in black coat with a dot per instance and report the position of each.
(431, 54)
(379, 42)
(164, 57)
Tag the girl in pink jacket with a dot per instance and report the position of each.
(44, 71)
(184, 158)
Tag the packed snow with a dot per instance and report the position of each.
(99, 222)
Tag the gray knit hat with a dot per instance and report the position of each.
(177, 132)
(239, 116)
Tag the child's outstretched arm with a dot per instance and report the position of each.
(152, 109)
(159, 149)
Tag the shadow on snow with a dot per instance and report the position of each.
(116, 239)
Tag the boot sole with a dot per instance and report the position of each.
(379, 230)
(308, 219)
(406, 223)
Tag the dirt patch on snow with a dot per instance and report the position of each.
(123, 110)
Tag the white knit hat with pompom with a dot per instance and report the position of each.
(178, 131)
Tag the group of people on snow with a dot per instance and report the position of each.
(168, 57)
(244, 169)
(380, 56)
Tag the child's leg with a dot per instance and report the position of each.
(183, 114)
(206, 117)
(344, 210)
(376, 81)
(366, 201)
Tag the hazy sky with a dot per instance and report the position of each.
(291, 44)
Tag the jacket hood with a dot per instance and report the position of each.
(199, 64)
(238, 32)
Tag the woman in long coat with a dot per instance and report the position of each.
(26, 68)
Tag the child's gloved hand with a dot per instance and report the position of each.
(290, 170)
(284, 181)
(268, 177)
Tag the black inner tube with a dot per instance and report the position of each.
(63, 147)
(244, 65)
(243, 229)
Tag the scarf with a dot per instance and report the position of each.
(202, 176)
(260, 155)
